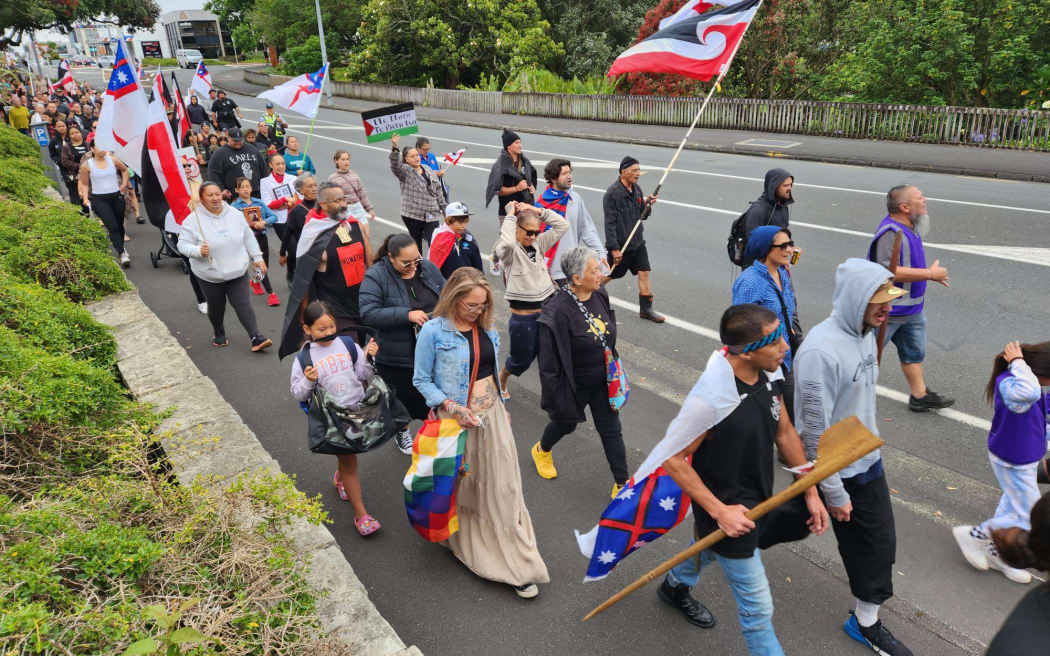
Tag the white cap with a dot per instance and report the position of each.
(457, 209)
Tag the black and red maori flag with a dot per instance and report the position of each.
(160, 89)
(182, 119)
(165, 190)
(699, 47)
(65, 79)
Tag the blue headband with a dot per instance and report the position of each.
(771, 338)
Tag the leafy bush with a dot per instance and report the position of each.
(538, 80)
(57, 247)
(148, 62)
(51, 321)
(15, 144)
(23, 179)
(303, 58)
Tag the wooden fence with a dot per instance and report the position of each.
(1018, 129)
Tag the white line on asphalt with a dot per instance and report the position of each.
(696, 329)
(1038, 257)
(748, 178)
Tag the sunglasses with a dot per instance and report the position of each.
(530, 233)
(786, 245)
(410, 263)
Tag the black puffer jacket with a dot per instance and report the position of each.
(385, 305)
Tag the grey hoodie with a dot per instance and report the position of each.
(836, 369)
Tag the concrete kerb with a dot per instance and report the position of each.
(207, 442)
(249, 88)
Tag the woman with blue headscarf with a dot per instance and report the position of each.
(767, 282)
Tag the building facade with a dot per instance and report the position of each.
(196, 29)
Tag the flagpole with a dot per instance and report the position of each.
(696, 119)
(324, 81)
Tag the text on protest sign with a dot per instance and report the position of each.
(383, 123)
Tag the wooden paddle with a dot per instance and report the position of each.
(896, 254)
(840, 445)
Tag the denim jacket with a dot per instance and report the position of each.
(442, 368)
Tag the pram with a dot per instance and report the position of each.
(169, 247)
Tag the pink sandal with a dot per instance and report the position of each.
(339, 486)
(367, 525)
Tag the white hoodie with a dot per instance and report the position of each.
(231, 243)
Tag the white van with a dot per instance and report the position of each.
(188, 58)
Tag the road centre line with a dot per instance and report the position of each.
(750, 178)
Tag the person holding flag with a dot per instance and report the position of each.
(560, 198)
(625, 208)
(430, 159)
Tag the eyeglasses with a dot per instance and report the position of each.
(475, 307)
(529, 233)
(786, 245)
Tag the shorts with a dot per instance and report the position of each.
(909, 336)
(634, 261)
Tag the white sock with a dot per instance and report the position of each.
(867, 613)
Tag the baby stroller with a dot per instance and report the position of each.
(169, 247)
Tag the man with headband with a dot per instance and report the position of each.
(836, 371)
(732, 469)
(625, 207)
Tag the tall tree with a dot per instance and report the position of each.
(593, 32)
(20, 16)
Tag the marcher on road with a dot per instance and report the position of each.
(225, 112)
(234, 161)
(907, 326)
(732, 471)
(1016, 445)
(512, 178)
(397, 297)
(495, 539)
(772, 207)
(454, 246)
(522, 248)
(625, 207)
(103, 181)
(296, 161)
(223, 254)
(266, 219)
(559, 197)
(306, 189)
(279, 192)
(74, 150)
(575, 329)
(358, 204)
(428, 158)
(422, 200)
(836, 373)
(343, 377)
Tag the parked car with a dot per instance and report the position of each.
(105, 61)
(188, 58)
(81, 60)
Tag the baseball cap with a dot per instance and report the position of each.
(235, 134)
(457, 209)
(887, 292)
(269, 105)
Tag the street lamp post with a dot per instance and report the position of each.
(324, 51)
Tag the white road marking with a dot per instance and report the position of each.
(696, 329)
(768, 143)
(576, 158)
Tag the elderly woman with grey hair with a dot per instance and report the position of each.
(306, 189)
(576, 325)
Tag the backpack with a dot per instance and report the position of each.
(737, 242)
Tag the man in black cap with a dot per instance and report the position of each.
(225, 112)
(233, 161)
(625, 207)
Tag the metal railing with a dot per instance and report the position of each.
(1018, 129)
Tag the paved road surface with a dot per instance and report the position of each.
(989, 233)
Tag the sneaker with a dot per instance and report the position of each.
(256, 288)
(932, 401)
(272, 300)
(404, 442)
(139, 220)
(527, 591)
(203, 307)
(260, 343)
(220, 341)
(1013, 573)
(678, 597)
(974, 545)
(876, 636)
(616, 490)
(125, 261)
(544, 462)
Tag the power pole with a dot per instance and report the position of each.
(324, 51)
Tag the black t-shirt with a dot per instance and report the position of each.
(223, 108)
(420, 296)
(520, 196)
(339, 283)
(588, 356)
(488, 353)
(735, 461)
(1026, 630)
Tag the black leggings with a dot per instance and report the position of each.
(606, 421)
(264, 246)
(237, 292)
(74, 196)
(400, 379)
(281, 229)
(110, 208)
(420, 230)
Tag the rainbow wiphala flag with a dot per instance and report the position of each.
(430, 484)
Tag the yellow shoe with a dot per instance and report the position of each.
(544, 462)
(616, 490)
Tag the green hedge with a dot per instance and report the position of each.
(15, 144)
(23, 179)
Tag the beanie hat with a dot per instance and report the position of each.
(509, 137)
(627, 162)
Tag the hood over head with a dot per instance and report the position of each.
(856, 281)
(773, 179)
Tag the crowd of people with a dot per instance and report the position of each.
(426, 298)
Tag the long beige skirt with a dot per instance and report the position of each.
(495, 537)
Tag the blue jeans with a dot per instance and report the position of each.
(909, 336)
(747, 579)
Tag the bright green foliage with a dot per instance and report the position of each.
(24, 179)
(593, 32)
(49, 320)
(538, 80)
(304, 58)
(21, 16)
(288, 23)
(15, 144)
(451, 42)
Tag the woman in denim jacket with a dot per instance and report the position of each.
(495, 537)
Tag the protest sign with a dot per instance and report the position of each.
(385, 122)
